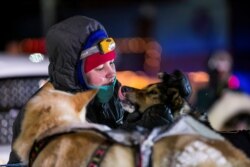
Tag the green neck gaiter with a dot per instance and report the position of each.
(105, 92)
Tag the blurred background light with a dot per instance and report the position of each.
(151, 36)
(36, 57)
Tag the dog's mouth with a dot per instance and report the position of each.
(128, 93)
(127, 104)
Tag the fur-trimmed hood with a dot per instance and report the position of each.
(64, 42)
(230, 105)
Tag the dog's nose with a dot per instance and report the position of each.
(125, 89)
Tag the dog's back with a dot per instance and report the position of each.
(190, 143)
(77, 149)
(196, 151)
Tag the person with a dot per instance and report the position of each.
(219, 67)
(81, 56)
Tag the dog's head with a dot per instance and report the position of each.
(141, 99)
(153, 94)
(59, 103)
(50, 109)
(171, 91)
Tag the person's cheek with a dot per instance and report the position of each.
(93, 79)
(99, 80)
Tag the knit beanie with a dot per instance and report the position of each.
(94, 60)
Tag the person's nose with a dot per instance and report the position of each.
(110, 72)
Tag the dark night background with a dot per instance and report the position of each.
(25, 19)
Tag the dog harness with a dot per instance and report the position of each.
(38, 146)
(96, 157)
(115, 136)
(99, 154)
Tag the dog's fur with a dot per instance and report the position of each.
(180, 150)
(240, 121)
(196, 151)
(51, 111)
(236, 105)
(155, 94)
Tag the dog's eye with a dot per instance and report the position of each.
(153, 92)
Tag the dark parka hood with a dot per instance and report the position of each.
(64, 42)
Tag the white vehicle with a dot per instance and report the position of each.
(20, 77)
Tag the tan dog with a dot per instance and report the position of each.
(52, 111)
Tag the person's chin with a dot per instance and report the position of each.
(108, 84)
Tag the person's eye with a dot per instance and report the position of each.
(112, 63)
(99, 68)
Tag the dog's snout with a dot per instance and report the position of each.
(125, 89)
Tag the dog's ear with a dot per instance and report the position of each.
(89, 94)
(48, 86)
(81, 99)
(177, 79)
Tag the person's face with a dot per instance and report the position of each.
(103, 74)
